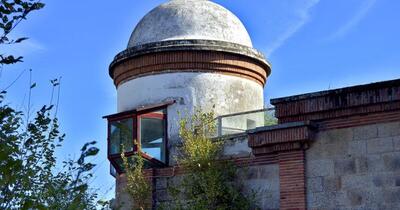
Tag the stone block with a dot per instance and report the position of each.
(327, 151)
(269, 201)
(174, 181)
(388, 206)
(314, 184)
(384, 180)
(338, 149)
(250, 172)
(397, 181)
(357, 148)
(326, 200)
(357, 181)
(375, 163)
(396, 143)
(392, 161)
(162, 195)
(320, 200)
(361, 165)
(266, 191)
(355, 198)
(389, 129)
(315, 151)
(364, 198)
(365, 132)
(392, 195)
(315, 168)
(380, 145)
(161, 183)
(332, 184)
(345, 166)
(335, 135)
(260, 186)
(269, 172)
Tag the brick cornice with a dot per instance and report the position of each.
(189, 61)
(345, 102)
(280, 138)
(190, 56)
(288, 142)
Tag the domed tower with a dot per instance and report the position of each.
(183, 55)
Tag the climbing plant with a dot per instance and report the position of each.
(138, 186)
(210, 182)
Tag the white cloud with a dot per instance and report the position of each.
(302, 15)
(358, 16)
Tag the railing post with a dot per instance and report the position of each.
(219, 124)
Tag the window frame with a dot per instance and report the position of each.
(153, 115)
(136, 115)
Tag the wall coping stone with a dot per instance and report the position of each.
(351, 89)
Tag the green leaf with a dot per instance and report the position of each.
(84, 148)
(21, 39)
(5, 19)
(92, 151)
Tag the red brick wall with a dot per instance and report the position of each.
(190, 61)
(292, 180)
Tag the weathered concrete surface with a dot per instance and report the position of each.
(189, 19)
(236, 146)
(123, 200)
(229, 94)
(355, 168)
(264, 182)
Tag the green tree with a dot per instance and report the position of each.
(12, 13)
(269, 118)
(29, 174)
(28, 177)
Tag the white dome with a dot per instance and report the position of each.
(189, 19)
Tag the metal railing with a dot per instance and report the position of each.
(243, 121)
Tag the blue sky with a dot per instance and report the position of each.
(312, 44)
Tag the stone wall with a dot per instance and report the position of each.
(264, 180)
(258, 175)
(355, 168)
(261, 180)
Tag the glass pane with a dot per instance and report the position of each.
(152, 136)
(113, 171)
(241, 122)
(121, 133)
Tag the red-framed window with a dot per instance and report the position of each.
(144, 131)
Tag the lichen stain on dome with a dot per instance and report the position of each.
(189, 19)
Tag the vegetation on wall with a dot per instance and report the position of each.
(138, 186)
(210, 182)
